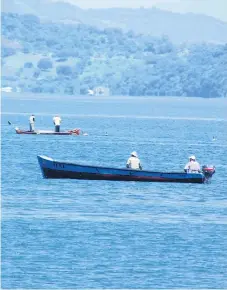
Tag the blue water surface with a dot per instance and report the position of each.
(72, 234)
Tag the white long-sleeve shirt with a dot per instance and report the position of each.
(57, 121)
(32, 119)
(134, 163)
(192, 167)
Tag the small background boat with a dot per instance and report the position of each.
(57, 169)
(49, 132)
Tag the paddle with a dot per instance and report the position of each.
(16, 128)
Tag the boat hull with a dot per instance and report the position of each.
(48, 132)
(56, 169)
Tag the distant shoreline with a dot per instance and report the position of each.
(34, 96)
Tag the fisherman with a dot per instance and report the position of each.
(133, 161)
(57, 123)
(32, 123)
(192, 166)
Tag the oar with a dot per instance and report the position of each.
(16, 128)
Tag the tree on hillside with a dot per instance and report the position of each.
(44, 64)
(8, 51)
(64, 70)
(28, 65)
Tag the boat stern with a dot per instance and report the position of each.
(208, 172)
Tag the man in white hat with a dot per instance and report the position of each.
(192, 166)
(57, 123)
(32, 123)
(133, 161)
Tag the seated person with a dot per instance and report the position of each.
(134, 162)
(192, 166)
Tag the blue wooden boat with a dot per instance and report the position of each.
(57, 169)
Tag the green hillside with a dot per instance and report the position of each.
(179, 27)
(60, 58)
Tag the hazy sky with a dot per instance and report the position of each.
(216, 8)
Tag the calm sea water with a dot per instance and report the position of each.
(72, 234)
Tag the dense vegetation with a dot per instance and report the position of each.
(60, 58)
(179, 27)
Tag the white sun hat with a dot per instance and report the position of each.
(134, 154)
(192, 157)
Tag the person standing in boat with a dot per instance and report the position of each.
(57, 123)
(32, 123)
(134, 162)
(192, 166)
